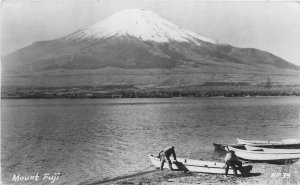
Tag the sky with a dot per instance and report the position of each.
(269, 26)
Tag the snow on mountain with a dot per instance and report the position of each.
(143, 24)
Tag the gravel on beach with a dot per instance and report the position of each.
(262, 173)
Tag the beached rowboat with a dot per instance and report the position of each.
(263, 156)
(245, 142)
(288, 143)
(272, 150)
(285, 141)
(198, 166)
(219, 146)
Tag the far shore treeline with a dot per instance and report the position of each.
(214, 89)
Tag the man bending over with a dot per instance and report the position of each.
(164, 156)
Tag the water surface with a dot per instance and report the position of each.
(87, 140)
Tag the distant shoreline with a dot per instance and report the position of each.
(132, 91)
(47, 97)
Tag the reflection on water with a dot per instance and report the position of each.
(88, 140)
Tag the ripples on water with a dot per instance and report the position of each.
(89, 140)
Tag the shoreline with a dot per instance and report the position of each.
(262, 173)
(132, 91)
(45, 97)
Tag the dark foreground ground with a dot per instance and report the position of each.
(262, 173)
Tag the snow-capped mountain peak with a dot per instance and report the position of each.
(143, 24)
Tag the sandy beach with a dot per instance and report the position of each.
(262, 173)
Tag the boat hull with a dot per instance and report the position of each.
(219, 146)
(288, 144)
(198, 166)
(245, 142)
(272, 150)
(265, 156)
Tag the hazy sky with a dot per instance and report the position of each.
(269, 26)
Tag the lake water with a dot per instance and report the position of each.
(88, 140)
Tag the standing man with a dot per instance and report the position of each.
(232, 160)
(164, 156)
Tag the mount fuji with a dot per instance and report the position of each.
(137, 42)
(143, 24)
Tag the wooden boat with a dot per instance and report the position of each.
(263, 156)
(288, 143)
(253, 148)
(219, 146)
(198, 166)
(272, 150)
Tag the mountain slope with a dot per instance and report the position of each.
(137, 40)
